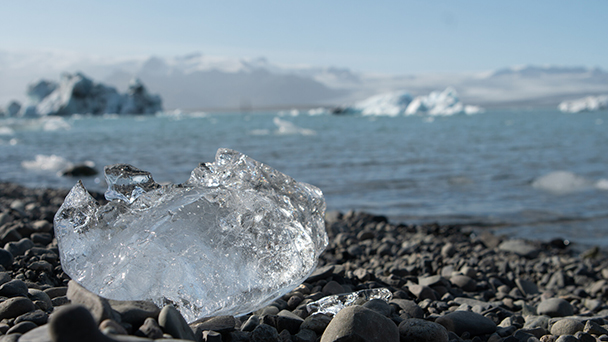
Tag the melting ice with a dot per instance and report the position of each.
(234, 237)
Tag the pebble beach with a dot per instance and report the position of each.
(448, 283)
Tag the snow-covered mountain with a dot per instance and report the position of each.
(206, 82)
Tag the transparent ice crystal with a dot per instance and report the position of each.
(331, 305)
(234, 237)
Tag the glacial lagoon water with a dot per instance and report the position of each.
(538, 174)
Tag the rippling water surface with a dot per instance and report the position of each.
(540, 174)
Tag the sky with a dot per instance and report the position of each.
(391, 37)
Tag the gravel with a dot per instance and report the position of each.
(449, 283)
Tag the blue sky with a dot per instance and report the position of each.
(395, 37)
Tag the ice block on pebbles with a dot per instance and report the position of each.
(331, 305)
(234, 237)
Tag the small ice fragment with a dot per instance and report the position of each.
(331, 305)
(127, 183)
(233, 238)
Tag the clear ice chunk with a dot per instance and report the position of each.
(331, 305)
(234, 237)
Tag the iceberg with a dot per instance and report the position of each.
(77, 94)
(234, 237)
(437, 103)
(586, 104)
(391, 104)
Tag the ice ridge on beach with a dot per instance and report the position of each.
(234, 237)
(444, 103)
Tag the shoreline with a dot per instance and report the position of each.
(448, 283)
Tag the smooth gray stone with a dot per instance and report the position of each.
(422, 292)
(320, 273)
(584, 337)
(40, 334)
(289, 314)
(54, 292)
(283, 322)
(555, 307)
(519, 247)
(38, 317)
(567, 338)
(150, 329)
(464, 282)
(316, 323)
(5, 277)
(14, 307)
(592, 327)
(11, 338)
(566, 326)
(305, 335)
(22, 327)
(6, 259)
(420, 330)
(409, 307)
(472, 302)
(221, 324)
(356, 323)
(35, 295)
(378, 305)
(111, 327)
(74, 323)
(173, 323)
(13, 288)
(251, 323)
(332, 288)
(467, 321)
(99, 307)
(135, 312)
(433, 280)
(264, 333)
(19, 247)
(527, 287)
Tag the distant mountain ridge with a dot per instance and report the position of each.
(199, 81)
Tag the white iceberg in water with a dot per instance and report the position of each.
(437, 103)
(234, 237)
(391, 104)
(586, 104)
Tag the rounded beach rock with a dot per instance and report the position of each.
(356, 323)
(555, 307)
(566, 326)
(419, 330)
(467, 321)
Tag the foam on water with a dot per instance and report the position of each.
(46, 163)
(562, 182)
(287, 127)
